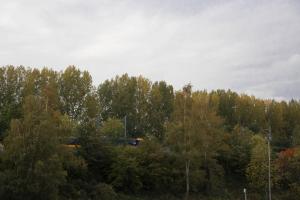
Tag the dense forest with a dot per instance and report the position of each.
(186, 144)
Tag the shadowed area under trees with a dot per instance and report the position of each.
(189, 144)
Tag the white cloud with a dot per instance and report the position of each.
(249, 46)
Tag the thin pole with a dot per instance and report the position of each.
(245, 193)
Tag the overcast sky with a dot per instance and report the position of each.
(249, 46)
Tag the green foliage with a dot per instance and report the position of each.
(195, 134)
(113, 128)
(296, 136)
(288, 169)
(74, 87)
(11, 82)
(126, 174)
(32, 162)
(104, 192)
(160, 108)
(275, 113)
(235, 157)
(158, 171)
(146, 106)
(257, 171)
(97, 153)
(192, 140)
(118, 99)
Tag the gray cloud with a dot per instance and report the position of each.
(249, 46)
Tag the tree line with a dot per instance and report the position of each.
(196, 144)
